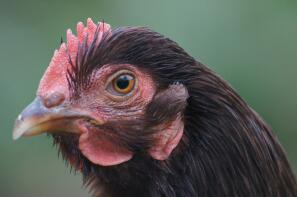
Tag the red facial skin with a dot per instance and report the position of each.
(104, 105)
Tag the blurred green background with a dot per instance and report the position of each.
(251, 43)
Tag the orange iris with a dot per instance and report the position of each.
(124, 83)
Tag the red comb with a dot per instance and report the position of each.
(55, 76)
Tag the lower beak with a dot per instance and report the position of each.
(36, 119)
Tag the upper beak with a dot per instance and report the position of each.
(36, 119)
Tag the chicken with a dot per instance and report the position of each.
(138, 116)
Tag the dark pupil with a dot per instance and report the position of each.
(123, 82)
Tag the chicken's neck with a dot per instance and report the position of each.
(145, 177)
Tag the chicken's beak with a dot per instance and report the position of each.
(36, 119)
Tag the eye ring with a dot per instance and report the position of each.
(127, 89)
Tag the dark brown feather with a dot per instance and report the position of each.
(227, 150)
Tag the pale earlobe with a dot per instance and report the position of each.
(167, 140)
(167, 109)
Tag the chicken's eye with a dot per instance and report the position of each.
(122, 84)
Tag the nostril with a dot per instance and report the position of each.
(53, 100)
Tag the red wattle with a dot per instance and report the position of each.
(101, 151)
